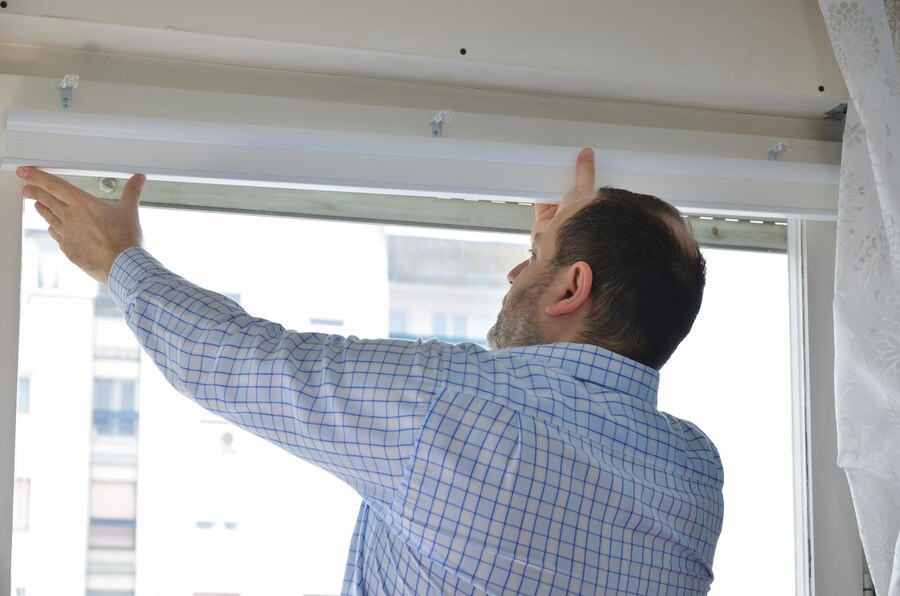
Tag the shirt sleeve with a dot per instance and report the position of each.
(353, 407)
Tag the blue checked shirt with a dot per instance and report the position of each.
(535, 470)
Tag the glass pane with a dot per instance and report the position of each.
(126, 396)
(103, 394)
(732, 377)
(225, 497)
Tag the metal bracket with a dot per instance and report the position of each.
(67, 92)
(781, 147)
(838, 112)
(437, 122)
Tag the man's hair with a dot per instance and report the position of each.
(648, 273)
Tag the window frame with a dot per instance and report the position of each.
(832, 563)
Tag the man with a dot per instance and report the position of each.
(542, 466)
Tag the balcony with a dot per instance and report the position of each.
(115, 423)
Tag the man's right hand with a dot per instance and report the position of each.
(90, 231)
(584, 190)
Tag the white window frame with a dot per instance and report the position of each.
(835, 564)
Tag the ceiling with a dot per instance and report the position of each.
(768, 57)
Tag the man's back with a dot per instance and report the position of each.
(546, 469)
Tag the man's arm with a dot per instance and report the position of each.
(352, 407)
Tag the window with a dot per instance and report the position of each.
(739, 394)
(111, 534)
(115, 407)
(21, 503)
(407, 282)
(112, 515)
(23, 395)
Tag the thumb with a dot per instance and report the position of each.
(584, 166)
(131, 194)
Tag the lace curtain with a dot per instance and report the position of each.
(866, 40)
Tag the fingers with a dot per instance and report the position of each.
(42, 197)
(48, 216)
(584, 168)
(544, 210)
(54, 234)
(131, 194)
(54, 185)
(55, 193)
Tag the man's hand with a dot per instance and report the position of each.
(584, 189)
(90, 231)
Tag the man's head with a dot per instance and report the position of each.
(620, 270)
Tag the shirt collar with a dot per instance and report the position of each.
(599, 366)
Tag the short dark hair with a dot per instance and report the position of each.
(648, 273)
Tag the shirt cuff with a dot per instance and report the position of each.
(130, 268)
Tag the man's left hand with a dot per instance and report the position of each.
(584, 190)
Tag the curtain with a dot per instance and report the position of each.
(866, 42)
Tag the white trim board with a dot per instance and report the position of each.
(190, 151)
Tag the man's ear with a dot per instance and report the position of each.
(572, 289)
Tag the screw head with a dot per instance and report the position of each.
(108, 185)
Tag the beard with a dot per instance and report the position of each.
(517, 321)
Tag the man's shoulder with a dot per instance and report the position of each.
(701, 453)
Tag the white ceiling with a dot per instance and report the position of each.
(759, 56)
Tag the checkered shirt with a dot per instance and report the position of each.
(534, 470)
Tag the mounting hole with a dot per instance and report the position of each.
(3, 4)
(821, 88)
(462, 51)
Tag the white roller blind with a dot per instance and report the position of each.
(173, 150)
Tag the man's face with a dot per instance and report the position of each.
(520, 321)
